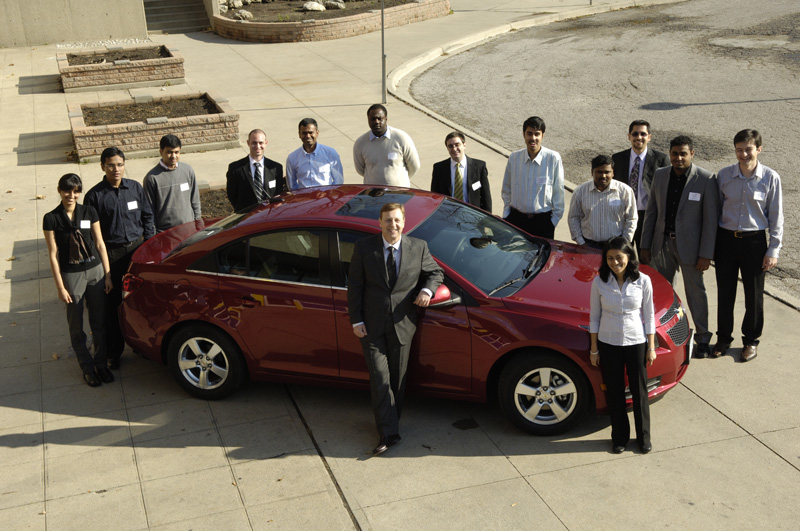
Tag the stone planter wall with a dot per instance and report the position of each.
(337, 28)
(197, 133)
(120, 74)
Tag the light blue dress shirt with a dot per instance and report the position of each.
(321, 167)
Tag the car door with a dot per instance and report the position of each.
(441, 355)
(280, 289)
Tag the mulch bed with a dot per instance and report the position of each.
(215, 204)
(291, 10)
(139, 112)
(140, 54)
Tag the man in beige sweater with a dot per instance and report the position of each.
(385, 155)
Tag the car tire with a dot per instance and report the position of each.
(206, 362)
(543, 394)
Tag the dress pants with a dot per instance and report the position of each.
(87, 287)
(387, 361)
(615, 361)
(637, 235)
(536, 224)
(119, 259)
(731, 256)
(667, 262)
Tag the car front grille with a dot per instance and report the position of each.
(680, 332)
(652, 385)
(673, 310)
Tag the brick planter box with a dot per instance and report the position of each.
(121, 74)
(197, 133)
(323, 30)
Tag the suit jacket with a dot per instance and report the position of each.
(477, 175)
(370, 299)
(240, 188)
(652, 161)
(696, 220)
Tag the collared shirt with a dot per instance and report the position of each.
(622, 316)
(124, 212)
(321, 167)
(464, 185)
(260, 164)
(387, 247)
(536, 185)
(754, 203)
(602, 215)
(642, 193)
(675, 187)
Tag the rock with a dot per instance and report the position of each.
(313, 6)
(243, 14)
(333, 4)
(234, 4)
(246, 2)
(223, 9)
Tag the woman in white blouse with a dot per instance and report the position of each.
(622, 329)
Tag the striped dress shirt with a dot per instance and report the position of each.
(534, 186)
(598, 216)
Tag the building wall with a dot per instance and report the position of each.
(36, 22)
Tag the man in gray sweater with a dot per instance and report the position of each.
(385, 155)
(171, 187)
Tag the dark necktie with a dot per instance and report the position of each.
(260, 192)
(391, 267)
(635, 178)
(458, 184)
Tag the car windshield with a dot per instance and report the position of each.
(219, 226)
(494, 256)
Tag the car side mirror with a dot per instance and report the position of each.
(444, 298)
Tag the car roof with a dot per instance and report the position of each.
(358, 204)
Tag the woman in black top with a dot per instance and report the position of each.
(80, 269)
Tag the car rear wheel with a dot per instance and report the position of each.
(543, 394)
(206, 362)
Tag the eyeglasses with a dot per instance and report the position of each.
(637, 133)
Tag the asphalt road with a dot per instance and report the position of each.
(704, 68)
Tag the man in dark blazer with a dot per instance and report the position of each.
(680, 230)
(254, 178)
(639, 164)
(390, 276)
(471, 173)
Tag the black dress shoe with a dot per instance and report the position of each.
(385, 443)
(720, 349)
(104, 374)
(701, 351)
(90, 379)
(645, 448)
(618, 448)
(113, 363)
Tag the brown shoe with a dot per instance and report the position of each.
(749, 352)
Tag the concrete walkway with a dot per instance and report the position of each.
(140, 454)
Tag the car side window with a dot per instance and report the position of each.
(232, 260)
(347, 242)
(291, 256)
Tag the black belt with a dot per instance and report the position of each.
(743, 233)
(530, 216)
(124, 245)
(669, 235)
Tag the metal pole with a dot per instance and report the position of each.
(383, 60)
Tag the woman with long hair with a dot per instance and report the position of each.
(81, 271)
(622, 329)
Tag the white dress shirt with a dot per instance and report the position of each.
(464, 185)
(642, 194)
(534, 186)
(602, 215)
(622, 316)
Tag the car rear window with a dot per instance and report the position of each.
(368, 203)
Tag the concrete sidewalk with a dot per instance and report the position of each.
(140, 454)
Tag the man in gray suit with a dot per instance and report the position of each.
(680, 229)
(390, 276)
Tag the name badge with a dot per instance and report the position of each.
(133, 205)
(694, 196)
(758, 196)
(615, 202)
(393, 155)
(476, 185)
(86, 224)
(271, 184)
(184, 187)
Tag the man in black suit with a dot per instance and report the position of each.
(390, 276)
(254, 178)
(636, 167)
(460, 176)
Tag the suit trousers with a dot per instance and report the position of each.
(667, 262)
(615, 361)
(119, 259)
(731, 256)
(87, 287)
(387, 361)
(536, 224)
(637, 235)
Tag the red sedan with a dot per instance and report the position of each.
(262, 295)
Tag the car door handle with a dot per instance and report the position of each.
(248, 301)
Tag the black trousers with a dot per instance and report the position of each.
(637, 235)
(615, 361)
(119, 259)
(536, 224)
(387, 362)
(731, 256)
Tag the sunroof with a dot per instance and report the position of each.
(368, 203)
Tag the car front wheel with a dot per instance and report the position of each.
(543, 394)
(206, 362)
